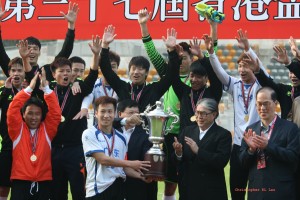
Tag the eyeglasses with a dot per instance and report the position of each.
(265, 104)
(202, 114)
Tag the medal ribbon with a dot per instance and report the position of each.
(292, 94)
(33, 140)
(65, 97)
(104, 88)
(192, 98)
(139, 94)
(110, 150)
(246, 101)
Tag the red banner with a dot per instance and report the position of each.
(263, 19)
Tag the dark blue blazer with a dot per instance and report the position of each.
(277, 180)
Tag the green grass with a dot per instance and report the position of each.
(161, 187)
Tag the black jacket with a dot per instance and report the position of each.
(151, 92)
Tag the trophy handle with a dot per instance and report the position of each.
(176, 119)
(146, 128)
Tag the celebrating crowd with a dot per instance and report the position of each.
(48, 148)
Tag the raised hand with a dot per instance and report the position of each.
(71, 16)
(23, 49)
(242, 39)
(96, 45)
(251, 63)
(108, 36)
(133, 120)
(282, 56)
(33, 81)
(2, 12)
(192, 144)
(143, 16)
(43, 79)
(177, 147)
(195, 47)
(8, 83)
(208, 43)
(170, 42)
(294, 48)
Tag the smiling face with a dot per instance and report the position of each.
(137, 75)
(265, 106)
(294, 79)
(17, 73)
(197, 81)
(34, 55)
(105, 115)
(32, 116)
(77, 70)
(63, 75)
(185, 63)
(204, 117)
(245, 73)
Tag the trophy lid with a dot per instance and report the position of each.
(158, 111)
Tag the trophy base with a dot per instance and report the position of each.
(158, 165)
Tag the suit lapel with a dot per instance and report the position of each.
(277, 126)
(208, 135)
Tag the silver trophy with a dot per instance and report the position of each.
(157, 120)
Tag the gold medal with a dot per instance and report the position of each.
(246, 118)
(62, 119)
(193, 118)
(33, 158)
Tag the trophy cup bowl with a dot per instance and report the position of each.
(157, 119)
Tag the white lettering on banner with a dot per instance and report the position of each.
(179, 9)
(128, 15)
(252, 7)
(255, 10)
(53, 2)
(93, 7)
(288, 10)
(216, 4)
(17, 8)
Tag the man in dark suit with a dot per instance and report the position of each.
(203, 150)
(270, 149)
(137, 145)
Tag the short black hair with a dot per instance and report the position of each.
(186, 47)
(38, 103)
(16, 60)
(140, 61)
(59, 62)
(273, 93)
(34, 41)
(77, 59)
(105, 100)
(127, 103)
(114, 57)
(197, 68)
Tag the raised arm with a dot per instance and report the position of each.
(71, 17)
(110, 76)
(156, 59)
(24, 52)
(243, 43)
(4, 59)
(90, 80)
(53, 116)
(215, 63)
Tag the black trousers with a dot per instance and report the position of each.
(113, 192)
(68, 166)
(27, 190)
(238, 175)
